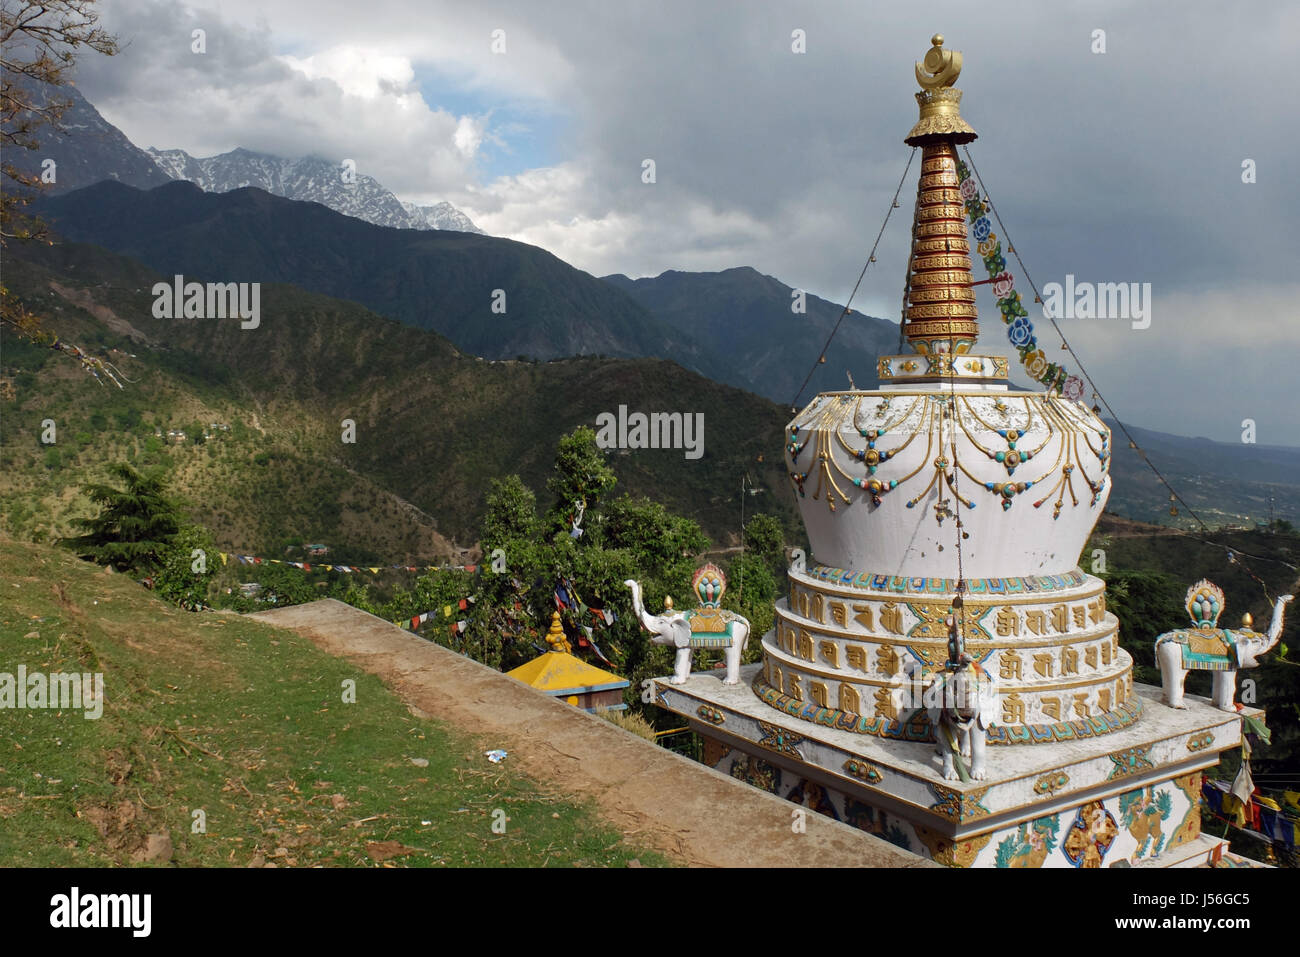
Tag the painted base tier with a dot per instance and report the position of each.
(1128, 798)
(862, 647)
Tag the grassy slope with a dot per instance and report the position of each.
(245, 721)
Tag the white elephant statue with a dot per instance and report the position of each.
(962, 702)
(1206, 647)
(708, 626)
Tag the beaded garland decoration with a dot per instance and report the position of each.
(1020, 330)
(934, 416)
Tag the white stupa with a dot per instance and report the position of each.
(943, 483)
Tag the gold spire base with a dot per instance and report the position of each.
(940, 117)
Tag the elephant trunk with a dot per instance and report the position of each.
(647, 621)
(1275, 629)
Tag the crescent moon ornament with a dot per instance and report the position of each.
(940, 67)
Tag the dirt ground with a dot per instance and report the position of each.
(654, 797)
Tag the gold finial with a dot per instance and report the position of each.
(555, 635)
(668, 602)
(940, 67)
(939, 100)
(1247, 621)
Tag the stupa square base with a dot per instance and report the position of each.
(1130, 797)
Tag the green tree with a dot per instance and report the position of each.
(765, 538)
(136, 525)
(581, 476)
(187, 568)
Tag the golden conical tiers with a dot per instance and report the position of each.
(941, 315)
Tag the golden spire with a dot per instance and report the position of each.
(555, 636)
(939, 100)
(940, 315)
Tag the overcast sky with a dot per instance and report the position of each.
(1123, 166)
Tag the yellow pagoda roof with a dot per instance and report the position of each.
(560, 673)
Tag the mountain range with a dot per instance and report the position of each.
(312, 180)
(494, 298)
(87, 149)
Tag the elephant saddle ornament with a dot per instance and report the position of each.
(711, 625)
(1206, 647)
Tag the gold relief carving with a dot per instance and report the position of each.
(863, 771)
(945, 245)
(711, 715)
(856, 656)
(778, 679)
(942, 294)
(862, 615)
(803, 603)
(818, 609)
(888, 661)
(1081, 708)
(850, 700)
(891, 617)
(1008, 622)
(779, 739)
(805, 645)
(1114, 644)
(1009, 665)
(1130, 761)
(959, 806)
(1069, 661)
(947, 852)
(1036, 621)
(1105, 652)
(1120, 696)
(1052, 708)
(1190, 827)
(793, 690)
(840, 613)
(1103, 699)
(1090, 656)
(934, 625)
(1079, 616)
(817, 691)
(885, 704)
(1199, 742)
(1013, 709)
(929, 260)
(941, 277)
(787, 640)
(830, 651)
(957, 230)
(1044, 664)
(938, 311)
(1051, 782)
(1097, 610)
(1060, 618)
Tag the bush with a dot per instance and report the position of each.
(629, 721)
(187, 568)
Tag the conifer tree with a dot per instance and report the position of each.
(135, 527)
